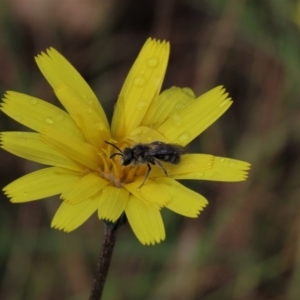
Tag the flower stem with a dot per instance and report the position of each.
(103, 262)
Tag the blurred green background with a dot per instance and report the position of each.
(246, 243)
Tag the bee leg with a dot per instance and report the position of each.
(157, 162)
(147, 175)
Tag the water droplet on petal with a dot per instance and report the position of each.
(33, 101)
(176, 120)
(49, 121)
(152, 62)
(99, 126)
(139, 80)
(141, 105)
(222, 159)
(136, 131)
(179, 105)
(25, 194)
(184, 138)
(189, 92)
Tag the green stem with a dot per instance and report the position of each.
(103, 262)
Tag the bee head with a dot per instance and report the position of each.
(127, 157)
(127, 154)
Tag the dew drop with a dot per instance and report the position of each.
(33, 101)
(176, 120)
(222, 159)
(152, 62)
(183, 138)
(99, 126)
(139, 80)
(141, 105)
(49, 121)
(25, 194)
(136, 131)
(189, 92)
(179, 105)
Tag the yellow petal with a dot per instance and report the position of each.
(183, 126)
(90, 123)
(166, 104)
(38, 114)
(112, 203)
(145, 134)
(221, 169)
(189, 166)
(145, 221)
(151, 193)
(41, 184)
(81, 152)
(142, 84)
(28, 145)
(184, 201)
(88, 186)
(58, 71)
(70, 216)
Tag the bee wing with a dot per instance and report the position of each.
(160, 148)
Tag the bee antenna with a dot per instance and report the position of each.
(115, 148)
(115, 154)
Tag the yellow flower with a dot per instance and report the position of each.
(72, 144)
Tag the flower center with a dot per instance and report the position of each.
(112, 169)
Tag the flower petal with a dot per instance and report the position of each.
(40, 184)
(38, 114)
(70, 216)
(58, 71)
(166, 104)
(189, 166)
(182, 127)
(88, 186)
(145, 221)
(142, 84)
(184, 201)
(151, 193)
(28, 145)
(87, 119)
(79, 151)
(219, 169)
(145, 134)
(112, 203)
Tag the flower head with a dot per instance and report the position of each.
(77, 144)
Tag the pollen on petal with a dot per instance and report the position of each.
(145, 221)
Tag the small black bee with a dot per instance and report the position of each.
(151, 153)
